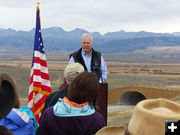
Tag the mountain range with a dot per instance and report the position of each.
(58, 40)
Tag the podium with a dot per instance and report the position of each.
(102, 100)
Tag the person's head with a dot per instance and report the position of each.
(7, 98)
(5, 131)
(86, 43)
(71, 71)
(148, 118)
(84, 88)
(7, 77)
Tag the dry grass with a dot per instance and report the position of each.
(24, 101)
(121, 74)
(144, 80)
(119, 117)
(176, 99)
(165, 76)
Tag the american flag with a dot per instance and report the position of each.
(40, 86)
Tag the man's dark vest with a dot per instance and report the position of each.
(95, 61)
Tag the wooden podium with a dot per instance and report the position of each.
(102, 100)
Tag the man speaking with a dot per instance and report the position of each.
(90, 59)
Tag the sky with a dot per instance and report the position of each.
(102, 16)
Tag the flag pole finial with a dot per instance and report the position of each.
(38, 2)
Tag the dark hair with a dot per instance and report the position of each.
(5, 131)
(84, 88)
(9, 78)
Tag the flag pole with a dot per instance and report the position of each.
(38, 2)
(40, 86)
(33, 100)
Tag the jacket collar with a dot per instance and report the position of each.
(66, 108)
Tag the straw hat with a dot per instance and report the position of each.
(112, 130)
(149, 117)
(7, 98)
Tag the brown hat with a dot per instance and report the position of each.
(149, 117)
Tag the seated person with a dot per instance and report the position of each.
(7, 100)
(21, 117)
(70, 73)
(75, 114)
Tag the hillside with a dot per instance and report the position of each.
(59, 40)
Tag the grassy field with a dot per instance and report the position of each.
(20, 72)
(164, 76)
(120, 74)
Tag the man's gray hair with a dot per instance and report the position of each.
(87, 34)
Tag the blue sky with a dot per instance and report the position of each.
(93, 15)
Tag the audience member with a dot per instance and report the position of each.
(7, 98)
(21, 119)
(70, 72)
(148, 118)
(76, 113)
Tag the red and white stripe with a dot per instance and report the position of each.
(39, 84)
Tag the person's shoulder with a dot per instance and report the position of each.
(49, 111)
(64, 89)
(25, 109)
(18, 117)
(99, 118)
(52, 94)
(53, 97)
(19, 122)
(49, 98)
(98, 115)
(60, 93)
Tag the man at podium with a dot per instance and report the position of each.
(89, 58)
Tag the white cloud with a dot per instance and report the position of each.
(94, 15)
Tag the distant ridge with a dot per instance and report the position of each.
(57, 39)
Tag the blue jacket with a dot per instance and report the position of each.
(30, 113)
(18, 122)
